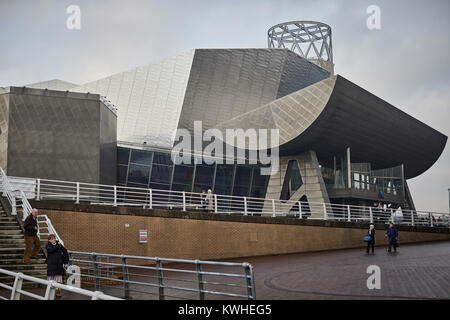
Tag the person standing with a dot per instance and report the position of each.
(392, 234)
(209, 201)
(55, 269)
(31, 228)
(371, 243)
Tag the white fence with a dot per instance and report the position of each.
(17, 291)
(236, 205)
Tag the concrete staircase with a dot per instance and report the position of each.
(12, 248)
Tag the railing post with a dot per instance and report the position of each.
(38, 190)
(215, 203)
(431, 220)
(77, 201)
(273, 207)
(115, 196)
(150, 198)
(325, 211)
(96, 273)
(126, 278)
(184, 201)
(348, 213)
(18, 281)
(160, 279)
(392, 215)
(200, 280)
(50, 291)
(300, 210)
(250, 281)
(245, 205)
(371, 214)
(412, 217)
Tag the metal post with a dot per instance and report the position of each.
(215, 203)
(300, 210)
(371, 214)
(392, 215)
(412, 217)
(431, 219)
(250, 281)
(200, 280)
(348, 213)
(273, 207)
(245, 205)
(115, 196)
(324, 211)
(150, 198)
(160, 279)
(184, 201)
(78, 193)
(38, 190)
(18, 281)
(96, 275)
(50, 291)
(126, 278)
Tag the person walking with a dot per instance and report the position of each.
(55, 269)
(371, 234)
(392, 234)
(30, 235)
(209, 201)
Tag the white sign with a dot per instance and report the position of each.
(142, 236)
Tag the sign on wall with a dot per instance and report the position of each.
(142, 236)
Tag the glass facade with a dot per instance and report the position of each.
(152, 169)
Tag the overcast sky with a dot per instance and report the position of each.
(405, 63)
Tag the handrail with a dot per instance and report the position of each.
(116, 269)
(48, 226)
(155, 198)
(17, 291)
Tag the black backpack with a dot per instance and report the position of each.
(65, 254)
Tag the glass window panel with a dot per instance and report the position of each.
(242, 177)
(141, 157)
(138, 174)
(240, 191)
(183, 175)
(181, 187)
(159, 186)
(122, 174)
(123, 155)
(224, 189)
(204, 176)
(161, 174)
(162, 158)
(224, 174)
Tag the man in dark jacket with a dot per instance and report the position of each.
(392, 234)
(31, 228)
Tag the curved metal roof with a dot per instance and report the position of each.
(334, 114)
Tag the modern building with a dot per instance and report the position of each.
(338, 142)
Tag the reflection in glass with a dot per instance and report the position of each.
(138, 174)
(141, 157)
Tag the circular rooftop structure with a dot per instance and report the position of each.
(309, 39)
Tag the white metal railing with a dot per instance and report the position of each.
(17, 291)
(44, 223)
(164, 278)
(236, 205)
(16, 198)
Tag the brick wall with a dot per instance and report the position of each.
(191, 238)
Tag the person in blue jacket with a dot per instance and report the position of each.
(392, 234)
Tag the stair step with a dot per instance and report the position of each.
(6, 232)
(12, 245)
(12, 250)
(24, 267)
(10, 227)
(19, 261)
(11, 236)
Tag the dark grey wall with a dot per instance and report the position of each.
(58, 135)
(108, 146)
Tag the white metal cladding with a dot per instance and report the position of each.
(54, 84)
(148, 99)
